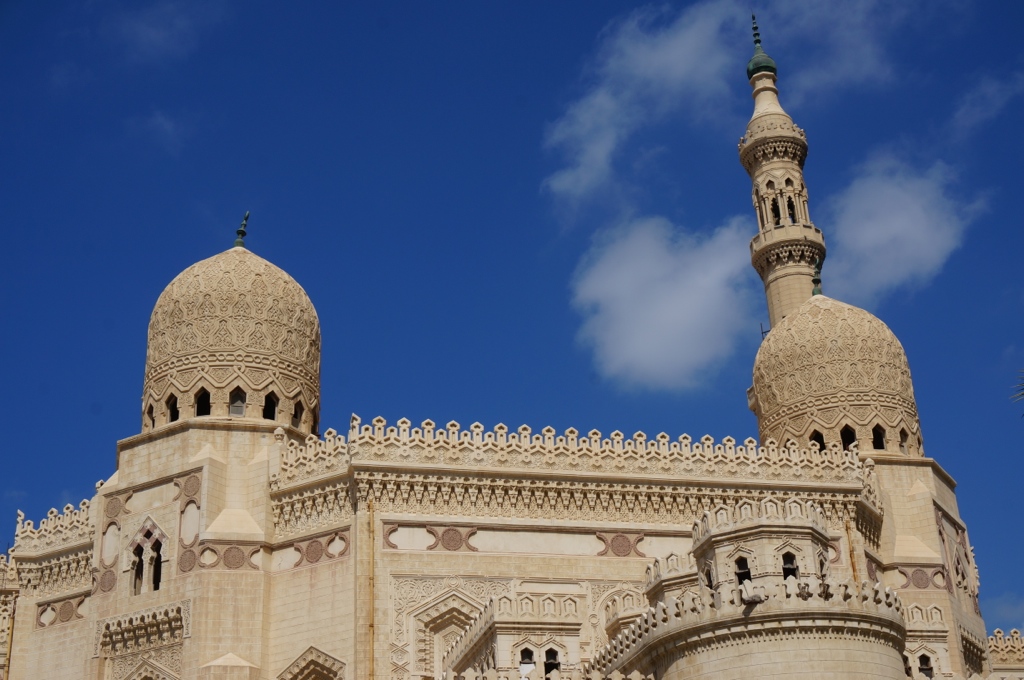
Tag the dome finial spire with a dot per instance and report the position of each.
(760, 62)
(757, 35)
(240, 241)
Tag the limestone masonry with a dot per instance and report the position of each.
(234, 541)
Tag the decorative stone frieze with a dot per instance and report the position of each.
(56, 612)
(143, 629)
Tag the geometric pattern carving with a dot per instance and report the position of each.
(313, 664)
(620, 545)
(827, 365)
(233, 318)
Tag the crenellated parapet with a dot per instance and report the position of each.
(312, 459)
(59, 531)
(1006, 651)
(739, 615)
(524, 450)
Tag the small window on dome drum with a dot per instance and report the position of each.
(818, 439)
(849, 436)
(202, 402)
(297, 414)
(237, 402)
(172, 409)
(878, 437)
(270, 406)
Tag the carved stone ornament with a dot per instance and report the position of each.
(620, 545)
(232, 319)
(314, 664)
(453, 539)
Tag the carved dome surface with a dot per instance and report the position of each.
(234, 320)
(831, 365)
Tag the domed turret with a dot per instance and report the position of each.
(233, 335)
(831, 372)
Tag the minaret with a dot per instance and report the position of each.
(788, 247)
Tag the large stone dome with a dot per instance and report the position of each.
(233, 335)
(830, 367)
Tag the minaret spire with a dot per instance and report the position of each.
(240, 239)
(788, 249)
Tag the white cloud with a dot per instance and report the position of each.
(663, 306)
(986, 101)
(162, 30)
(893, 227)
(655, 62)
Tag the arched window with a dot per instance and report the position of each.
(202, 402)
(157, 565)
(172, 409)
(526, 662)
(878, 437)
(792, 210)
(270, 406)
(742, 570)
(137, 570)
(237, 402)
(848, 435)
(924, 664)
(789, 566)
(903, 441)
(776, 215)
(297, 414)
(818, 439)
(551, 661)
(150, 418)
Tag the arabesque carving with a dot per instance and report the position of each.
(233, 318)
(832, 365)
(144, 629)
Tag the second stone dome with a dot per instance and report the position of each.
(233, 335)
(832, 372)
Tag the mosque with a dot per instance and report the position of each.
(234, 540)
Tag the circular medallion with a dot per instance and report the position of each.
(621, 545)
(187, 561)
(920, 578)
(67, 610)
(451, 538)
(314, 551)
(108, 581)
(192, 486)
(114, 506)
(234, 557)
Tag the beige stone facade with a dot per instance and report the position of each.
(235, 542)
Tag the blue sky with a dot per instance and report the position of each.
(519, 212)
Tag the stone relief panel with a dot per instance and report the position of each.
(314, 664)
(143, 630)
(54, 613)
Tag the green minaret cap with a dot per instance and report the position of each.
(760, 62)
(240, 240)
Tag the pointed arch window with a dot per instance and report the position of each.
(551, 662)
(172, 409)
(150, 418)
(792, 210)
(297, 414)
(137, 570)
(237, 402)
(789, 566)
(157, 565)
(818, 439)
(202, 402)
(776, 215)
(848, 436)
(742, 570)
(270, 406)
(878, 437)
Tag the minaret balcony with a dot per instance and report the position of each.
(785, 232)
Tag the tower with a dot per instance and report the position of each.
(788, 248)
